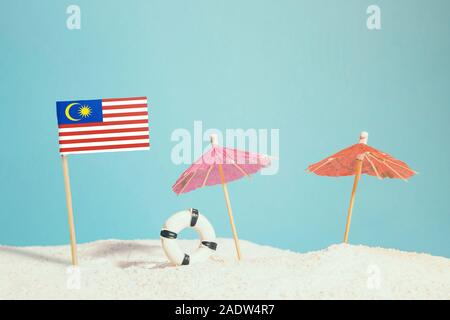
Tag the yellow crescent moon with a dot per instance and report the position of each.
(68, 112)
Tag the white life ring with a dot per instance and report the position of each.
(185, 219)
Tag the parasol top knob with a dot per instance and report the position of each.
(214, 139)
(363, 137)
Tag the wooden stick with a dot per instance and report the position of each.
(73, 241)
(230, 211)
(358, 169)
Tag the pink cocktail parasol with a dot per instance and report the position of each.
(220, 165)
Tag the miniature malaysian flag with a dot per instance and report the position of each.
(103, 125)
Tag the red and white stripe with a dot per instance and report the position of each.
(124, 128)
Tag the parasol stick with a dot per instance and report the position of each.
(73, 241)
(230, 212)
(352, 199)
(358, 169)
(214, 142)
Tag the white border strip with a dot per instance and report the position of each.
(107, 150)
(112, 126)
(127, 118)
(125, 110)
(102, 143)
(123, 102)
(105, 135)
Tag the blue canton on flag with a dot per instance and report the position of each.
(81, 111)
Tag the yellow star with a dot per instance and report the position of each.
(85, 111)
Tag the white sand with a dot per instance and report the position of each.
(116, 269)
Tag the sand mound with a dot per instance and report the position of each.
(116, 269)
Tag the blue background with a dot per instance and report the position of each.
(310, 68)
(95, 116)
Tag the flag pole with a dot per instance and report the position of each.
(358, 169)
(73, 241)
